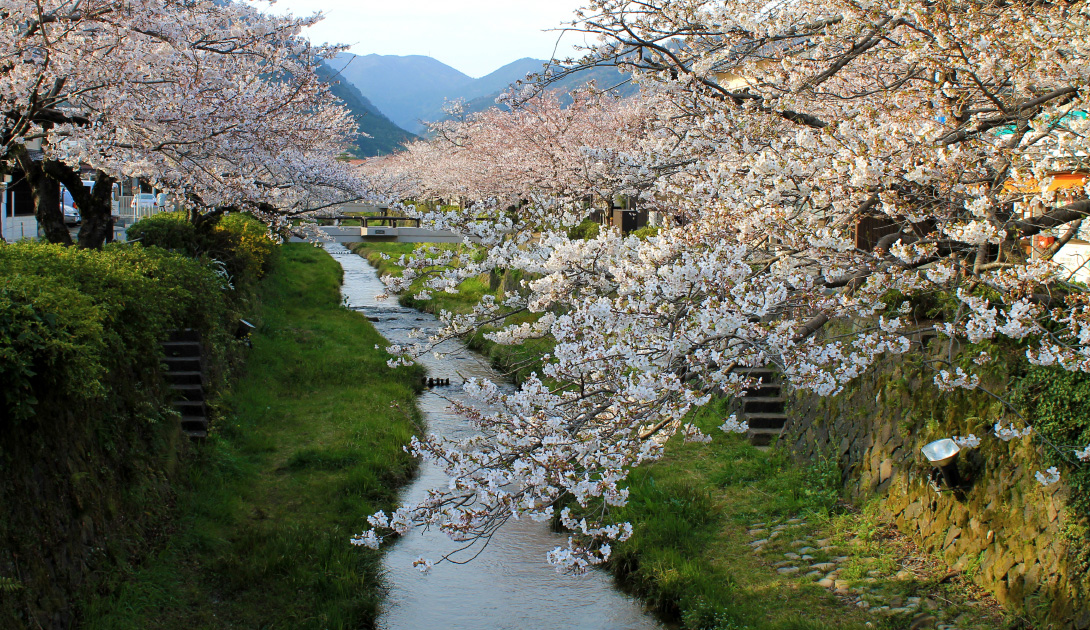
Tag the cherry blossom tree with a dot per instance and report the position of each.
(541, 148)
(216, 103)
(836, 165)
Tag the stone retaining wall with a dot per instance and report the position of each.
(1005, 530)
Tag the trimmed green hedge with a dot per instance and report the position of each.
(586, 230)
(69, 316)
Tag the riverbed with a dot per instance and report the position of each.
(509, 586)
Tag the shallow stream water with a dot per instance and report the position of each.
(509, 586)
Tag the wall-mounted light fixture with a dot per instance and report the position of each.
(244, 330)
(943, 455)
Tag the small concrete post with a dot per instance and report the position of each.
(4, 181)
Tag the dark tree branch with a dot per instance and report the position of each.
(1053, 218)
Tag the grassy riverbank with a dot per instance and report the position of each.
(727, 537)
(690, 556)
(308, 445)
(469, 292)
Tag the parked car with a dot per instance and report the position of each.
(71, 215)
(69, 209)
(143, 202)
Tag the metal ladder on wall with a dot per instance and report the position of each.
(763, 406)
(185, 375)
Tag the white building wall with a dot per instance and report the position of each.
(1075, 257)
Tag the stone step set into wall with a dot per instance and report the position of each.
(762, 407)
(1003, 529)
(182, 356)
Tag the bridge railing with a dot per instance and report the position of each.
(367, 221)
(391, 221)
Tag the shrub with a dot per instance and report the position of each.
(242, 244)
(168, 230)
(586, 230)
(646, 232)
(1057, 404)
(49, 335)
(237, 242)
(68, 315)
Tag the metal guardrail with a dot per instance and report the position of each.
(125, 213)
(366, 221)
(391, 221)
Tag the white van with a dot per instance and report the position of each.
(69, 208)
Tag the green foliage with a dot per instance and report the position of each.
(703, 615)
(1058, 404)
(50, 339)
(9, 585)
(646, 232)
(242, 243)
(1076, 535)
(517, 361)
(69, 316)
(322, 459)
(586, 230)
(689, 555)
(925, 306)
(236, 241)
(168, 230)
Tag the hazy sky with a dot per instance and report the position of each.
(474, 36)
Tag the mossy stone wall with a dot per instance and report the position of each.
(1008, 532)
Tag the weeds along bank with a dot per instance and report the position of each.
(89, 444)
(307, 443)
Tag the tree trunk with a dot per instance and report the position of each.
(46, 193)
(94, 205)
(98, 228)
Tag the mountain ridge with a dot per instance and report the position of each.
(412, 89)
(404, 88)
(385, 135)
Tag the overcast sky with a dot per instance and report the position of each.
(474, 36)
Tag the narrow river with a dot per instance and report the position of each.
(509, 586)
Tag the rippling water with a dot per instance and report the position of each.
(509, 586)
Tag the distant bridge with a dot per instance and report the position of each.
(382, 229)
